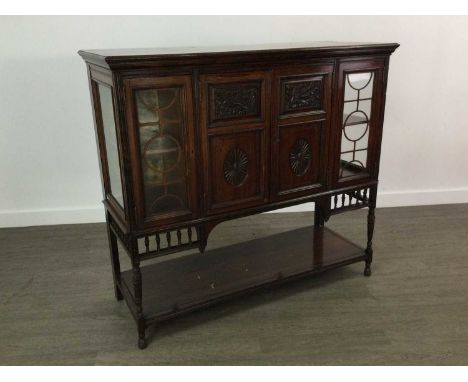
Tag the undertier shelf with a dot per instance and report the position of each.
(183, 284)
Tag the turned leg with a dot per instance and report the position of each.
(142, 334)
(319, 219)
(115, 262)
(370, 231)
(138, 293)
(202, 246)
(322, 211)
(202, 239)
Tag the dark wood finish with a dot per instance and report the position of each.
(299, 158)
(236, 171)
(181, 285)
(118, 59)
(184, 83)
(234, 145)
(370, 230)
(254, 130)
(301, 120)
(114, 256)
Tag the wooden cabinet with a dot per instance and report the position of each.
(190, 138)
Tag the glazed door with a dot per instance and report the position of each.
(162, 143)
(301, 119)
(358, 121)
(235, 131)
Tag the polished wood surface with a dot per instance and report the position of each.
(311, 45)
(162, 57)
(206, 136)
(180, 285)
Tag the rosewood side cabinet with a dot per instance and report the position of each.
(188, 138)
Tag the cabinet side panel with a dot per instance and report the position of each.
(95, 106)
(110, 142)
(107, 135)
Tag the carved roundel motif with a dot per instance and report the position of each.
(300, 157)
(235, 166)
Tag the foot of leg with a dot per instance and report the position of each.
(118, 294)
(370, 232)
(142, 343)
(367, 269)
(141, 334)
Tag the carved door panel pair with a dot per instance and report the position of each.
(235, 136)
(301, 121)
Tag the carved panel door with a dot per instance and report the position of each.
(161, 135)
(234, 123)
(301, 119)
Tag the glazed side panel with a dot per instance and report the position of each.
(109, 143)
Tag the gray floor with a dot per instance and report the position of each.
(57, 304)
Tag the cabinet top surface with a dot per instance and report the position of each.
(132, 52)
(110, 57)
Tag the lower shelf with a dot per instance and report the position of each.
(183, 284)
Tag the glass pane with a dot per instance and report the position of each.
(162, 142)
(110, 138)
(356, 121)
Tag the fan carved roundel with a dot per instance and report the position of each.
(299, 157)
(235, 166)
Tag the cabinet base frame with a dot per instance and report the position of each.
(188, 283)
(166, 290)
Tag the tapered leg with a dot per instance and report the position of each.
(370, 230)
(138, 293)
(115, 262)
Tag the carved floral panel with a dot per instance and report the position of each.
(300, 96)
(235, 101)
